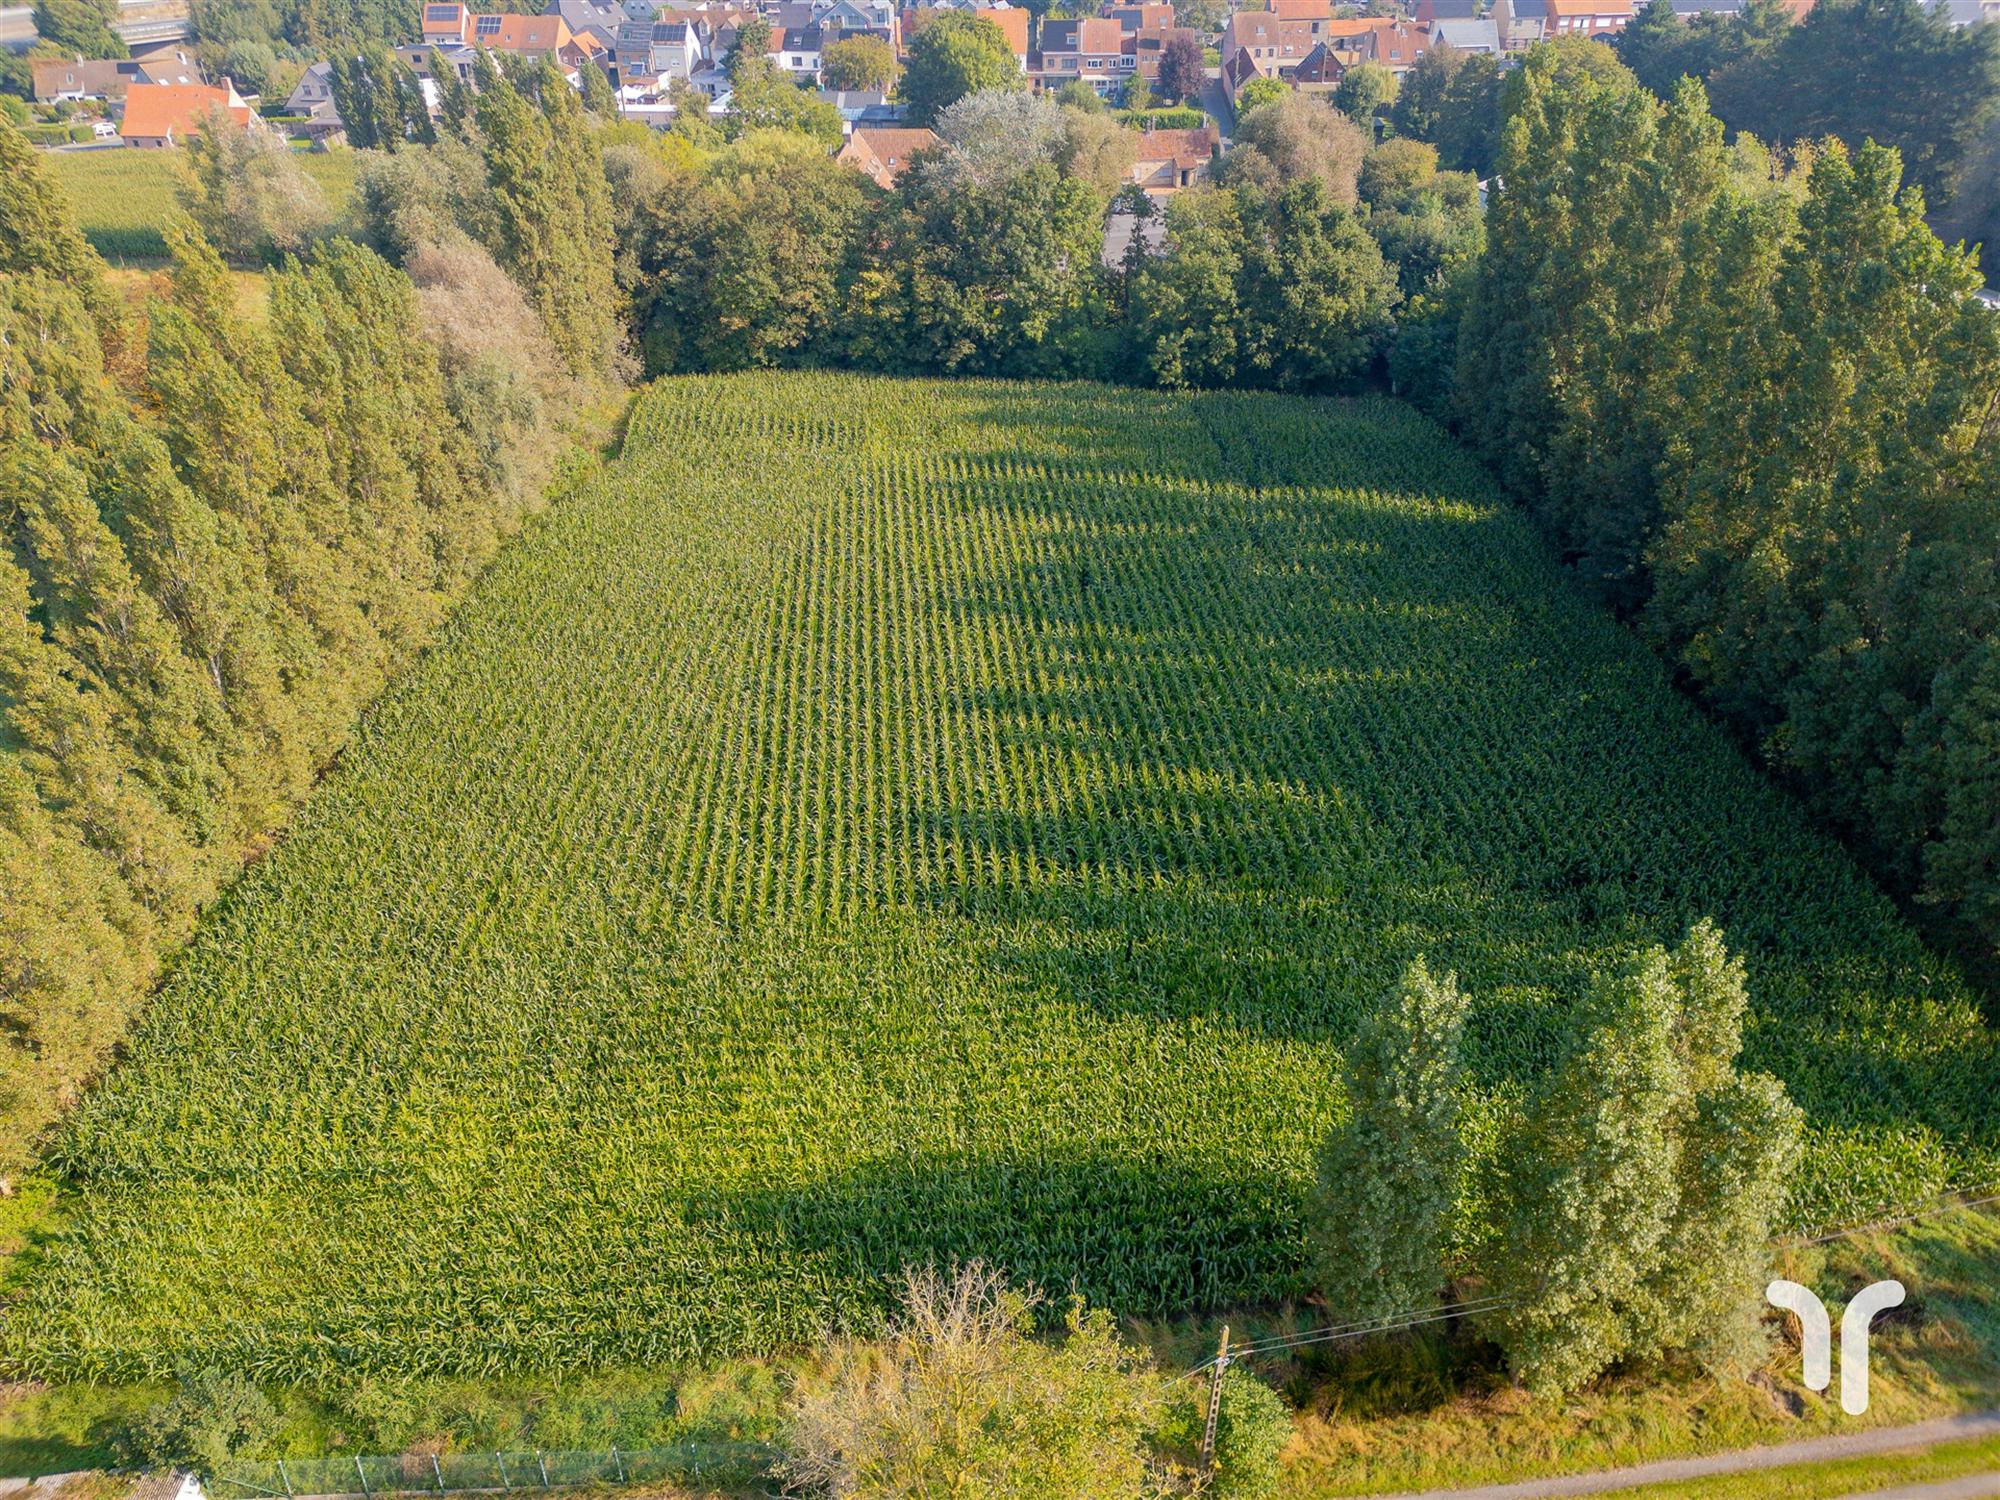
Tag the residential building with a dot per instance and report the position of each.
(528, 37)
(165, 114)
(463, 61)
(796, 51)
(1263, 44)
(1170, 160)
(1147, 27)
(61, 78)
(1320, 70)
(648, 105)
(851, 18)
(1481, 35)
(1148, 15)
(56, 79)
(660, 49)
(859, 107)
(1430, 12)
(1601, 18)
(1521, 23)
(596, 19)
(1271, 39)
(1397, 45)
(1302, 10)
(315, 88)
(1092, 49)
(883, 152)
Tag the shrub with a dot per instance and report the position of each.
(1424, 350)
(964, 1401)
(1175, 117)
(248, 195)
(1253, 1426)
(1251, 1431)
(213, 1417)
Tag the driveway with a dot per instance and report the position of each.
(1216, 103)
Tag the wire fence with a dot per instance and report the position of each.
(495, 1473)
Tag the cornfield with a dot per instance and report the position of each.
(882, 821)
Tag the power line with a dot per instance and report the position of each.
(1418, 1317)
(1388, 1323)
(1947, 1203)
(1372, 1325)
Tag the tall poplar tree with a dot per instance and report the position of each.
(554, 213)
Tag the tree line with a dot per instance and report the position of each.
(224, 532)
(743, 247)
(1896, 72)
(1754, 401)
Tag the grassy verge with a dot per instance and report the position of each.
(122, 198)
(134, 283)
(1847, 1476)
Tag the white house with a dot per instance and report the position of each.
(796, 50)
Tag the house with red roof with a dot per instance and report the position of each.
(532, 38)
(158, 115)
(883, 152)
(1170, 160)
(1090, 49)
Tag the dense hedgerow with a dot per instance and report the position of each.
(885, 822)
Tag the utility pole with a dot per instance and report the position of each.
(1214, 1403)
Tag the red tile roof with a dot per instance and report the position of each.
(155, 111)
(884, 152)
(1182, 147)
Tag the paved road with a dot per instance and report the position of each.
(1216, 102)
(1749, 1460)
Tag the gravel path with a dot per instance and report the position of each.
(1748, 1460)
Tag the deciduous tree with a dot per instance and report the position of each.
(1391, 1173)
(78, 28)
(1182, 71)
(1304, 139)
(956, 54)
(1642, 1184)
(860, 62)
